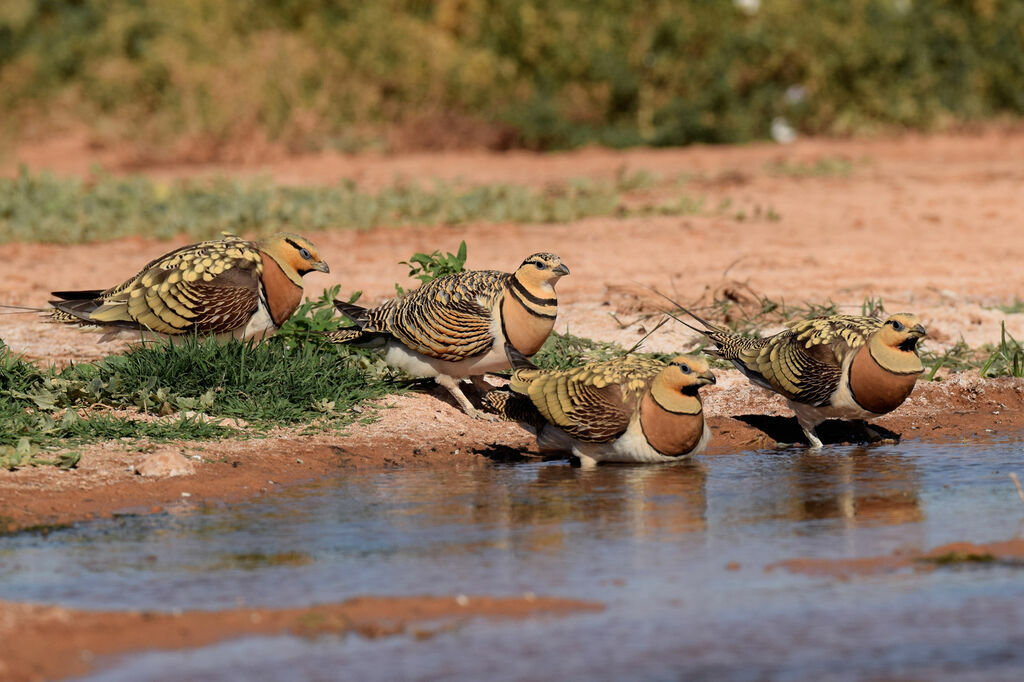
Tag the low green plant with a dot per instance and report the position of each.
(429, 266)
(957, 358)
(312, 318)
(1006, 358)
(1012, 308)
(872, 307)
(563, 351)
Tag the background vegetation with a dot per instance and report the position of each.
(311, 74)
(43, 208)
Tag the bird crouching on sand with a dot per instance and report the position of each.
(457, 326)
(630, 409)
(223, 287)
(835, 367)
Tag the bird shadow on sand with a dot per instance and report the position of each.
(786, 430)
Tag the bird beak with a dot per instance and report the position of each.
(321, 266)
(918, 331)
(706, 378)
(561, 270)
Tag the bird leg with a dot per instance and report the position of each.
(460, 398)
(809, 431)
(586, 461)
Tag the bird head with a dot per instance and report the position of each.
(675, 388)
(295, 254)
(541, 268)
(901, 332)
(687, 373)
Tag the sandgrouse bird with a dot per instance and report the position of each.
(456, 326)
(840, 366)
(223, 287)
(630, 409)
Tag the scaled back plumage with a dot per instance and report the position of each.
(212, 287)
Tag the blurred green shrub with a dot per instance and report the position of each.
(335, 73)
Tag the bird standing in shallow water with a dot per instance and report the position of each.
(457, 326)
(630, 409)
(840, 366)
(223, 287)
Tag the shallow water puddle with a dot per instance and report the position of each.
(679, 554)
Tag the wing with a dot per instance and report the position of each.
(805, 362)
(211, 287)
(448, 318)
(594, 403)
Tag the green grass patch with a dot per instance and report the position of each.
(188, 386)
(40, 207)
(563, 351)
(1012, 308)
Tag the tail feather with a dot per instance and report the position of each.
(517, 359)
(350, 335)
(356, 313)
(75, 309)
(77, 295)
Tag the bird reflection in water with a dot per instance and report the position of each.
(860, 486)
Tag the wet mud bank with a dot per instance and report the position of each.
(40, 642)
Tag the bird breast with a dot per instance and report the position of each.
(283, 296)
(525, 328)
(875, 388)
(667, 432)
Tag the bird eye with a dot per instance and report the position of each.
(305, 254)
(541, 265)
(897, 325)
(684, 368)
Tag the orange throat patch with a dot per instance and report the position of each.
(283, 295)
(875, 388)
(523, 329)
(669, 433)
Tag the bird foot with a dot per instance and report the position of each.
(812, 438)
(483, 416)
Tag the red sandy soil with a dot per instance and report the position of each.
(48, 642)
(952, 553)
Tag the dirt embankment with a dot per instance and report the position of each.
(49, 642)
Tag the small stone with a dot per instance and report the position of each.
(164, 463)
(462, 600)
(186, 494)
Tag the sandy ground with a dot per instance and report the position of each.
(933, 225)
